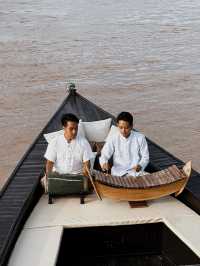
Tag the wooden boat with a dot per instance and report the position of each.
(172, 180)
(22, 200)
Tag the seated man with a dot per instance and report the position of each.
(128, 148)
(68, 153)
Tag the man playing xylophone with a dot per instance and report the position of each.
(128, 148)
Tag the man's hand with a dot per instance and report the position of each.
(85, 172)
(105, 166)
(86, 167)
(137, 168)
(49, 167)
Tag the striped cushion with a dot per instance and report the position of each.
(169, 175)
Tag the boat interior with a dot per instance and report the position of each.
(42, 234)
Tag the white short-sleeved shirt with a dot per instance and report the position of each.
(127, 153)
(68, 157)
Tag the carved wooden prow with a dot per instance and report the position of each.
(187, 169)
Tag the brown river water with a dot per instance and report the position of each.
(142, 56)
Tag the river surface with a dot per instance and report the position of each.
(142, 56)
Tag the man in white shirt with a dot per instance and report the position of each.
(128, 148)
(68, 153)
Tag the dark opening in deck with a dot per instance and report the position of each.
(141, 244)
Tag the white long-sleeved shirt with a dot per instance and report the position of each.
(127, 153)
(67, 157)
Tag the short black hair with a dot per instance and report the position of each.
(69, 118)
(125, 116)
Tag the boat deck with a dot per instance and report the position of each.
(22, 191)
(40, 239)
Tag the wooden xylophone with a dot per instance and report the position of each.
(166, 176)
(145, 187)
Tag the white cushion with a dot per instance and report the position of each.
(81, 132)
(52, 135)
(113, 131)
(97, 130)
